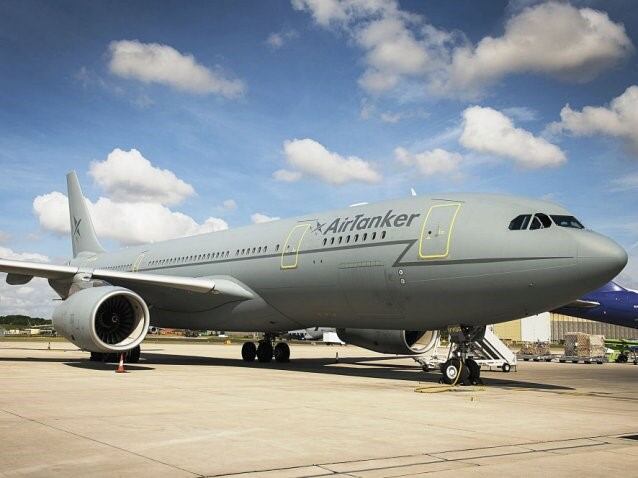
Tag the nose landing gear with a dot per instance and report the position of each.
(461, 369)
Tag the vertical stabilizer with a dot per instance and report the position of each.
(82, 232)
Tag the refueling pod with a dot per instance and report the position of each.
(103, 319)
(399, 342)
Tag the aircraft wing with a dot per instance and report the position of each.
(21, 272)
(581, 304)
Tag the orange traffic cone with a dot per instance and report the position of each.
(120, 367)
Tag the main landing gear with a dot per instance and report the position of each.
(460, 369)
(265, 350)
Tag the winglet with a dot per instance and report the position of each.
(83, 235)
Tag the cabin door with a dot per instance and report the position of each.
(437, 229)
(290, 251)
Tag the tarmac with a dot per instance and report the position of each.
(191, 410)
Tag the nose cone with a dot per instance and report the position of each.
(599, 258)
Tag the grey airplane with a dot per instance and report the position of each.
(383, 274)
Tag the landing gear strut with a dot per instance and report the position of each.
(265, 351)
(130, 356)
(460, 369)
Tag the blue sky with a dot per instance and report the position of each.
(223, 95)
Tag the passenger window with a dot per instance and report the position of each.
(340, 239)
(265, 248)
(374, 236)
(348, 239)
(356, 237)
(520, 222)
(277, 248)
(325, 240)
(365, 236)
(383, 235)
(332, 240)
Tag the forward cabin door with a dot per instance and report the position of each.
(437, 230)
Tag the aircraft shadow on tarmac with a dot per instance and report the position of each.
(367, 367)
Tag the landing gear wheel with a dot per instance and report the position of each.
(282, 352)
(133, 355)
(506, 367)
(622, 358)
(264, 352)
(475, 371)
(454, 373)
(249, 351)
(97, 357)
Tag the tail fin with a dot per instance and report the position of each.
(82, 232)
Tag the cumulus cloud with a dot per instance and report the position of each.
(429, 163)
(486, 130)
(127, 176)
(310, 158)
(551, 38)
(619, 119)
(125, 222)
(34, 299)
(554, 38)
(276, 40)
(259, 218)
(163, 64)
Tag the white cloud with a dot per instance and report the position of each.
(6, 253)
(259, 218)
(625, 183)
(34, 299)
(486, 130)
(127, 176)
(553, 38)
(521, 113)
(286, 175)
(619, 119)
(157, 63)
(229, 205)
(276, 40)
(310, 158)
(430, 163)
(125, 222)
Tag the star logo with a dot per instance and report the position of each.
(76, 227)
(318, 227)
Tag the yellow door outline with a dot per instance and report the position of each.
(422, 255)
(138, 262)
(284, 251)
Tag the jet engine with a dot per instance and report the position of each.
(103, 319)
(400, 342)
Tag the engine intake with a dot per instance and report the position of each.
(103, 319)
(400, 342)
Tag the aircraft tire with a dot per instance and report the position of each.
(454, 373)
(475, 371)
(506, 367)
(282, 352)
(249, 351)
(96, 357)
(264, 352)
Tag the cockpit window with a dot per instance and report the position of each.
(520, 222)
(540, 221)
(536, 224)
(567, 221)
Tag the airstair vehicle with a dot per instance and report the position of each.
(486, 349)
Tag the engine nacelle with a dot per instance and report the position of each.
(400, 342)
(103, 319)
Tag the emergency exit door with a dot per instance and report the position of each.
(437, 229)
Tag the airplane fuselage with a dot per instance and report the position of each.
(417, 263)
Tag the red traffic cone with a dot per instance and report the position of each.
(120, 367)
